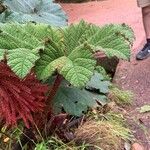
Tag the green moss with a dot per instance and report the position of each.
(121, 97)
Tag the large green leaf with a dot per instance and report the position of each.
(45, 69)
(22, 60)
(114, 40)
(40, 11)
(74, 35)
(77, 67)
(22, 43)
(76, 101)
(97, 82)
(78, 42)
(69, 50)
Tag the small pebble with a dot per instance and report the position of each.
(137, 146)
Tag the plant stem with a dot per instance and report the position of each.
(54, 89)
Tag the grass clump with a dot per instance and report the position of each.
(54, 143)
(100, 134)
(8, 136)
(106, 134)
(121, 97)
(118, 120)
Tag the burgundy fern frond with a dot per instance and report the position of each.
(19, 99)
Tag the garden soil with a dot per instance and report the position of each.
(133, 75)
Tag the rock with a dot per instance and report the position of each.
(109, 64)
(137, 146)
(127, 146)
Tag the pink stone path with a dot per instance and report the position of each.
(109, 11)
(134, 76)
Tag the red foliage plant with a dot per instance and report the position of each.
(19, 99)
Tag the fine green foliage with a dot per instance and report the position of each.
(6, 142)
(68, 50)
(121, 128)
(55, 143)
(41, 146)
(121, 97)
(106, 134)
(114, 118)
(40, 11)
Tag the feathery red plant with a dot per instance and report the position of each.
(19, 99)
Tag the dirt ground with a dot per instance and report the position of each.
(133, 75)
